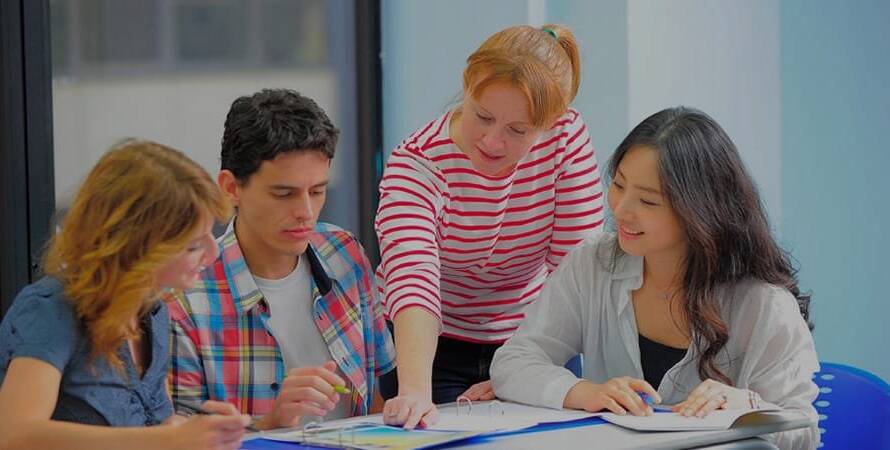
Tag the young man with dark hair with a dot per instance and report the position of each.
(285, 320)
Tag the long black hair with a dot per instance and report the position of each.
(728, 235)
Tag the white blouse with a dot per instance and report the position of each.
(585, 307)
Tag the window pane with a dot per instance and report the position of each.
(60, 19)
(294, 32)
(211, 31)
(115, 31)
(168, 70)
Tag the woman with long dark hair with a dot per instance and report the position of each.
(690, 301)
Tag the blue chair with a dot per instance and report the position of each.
(576, 364)
(853, 407)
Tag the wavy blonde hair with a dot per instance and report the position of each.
(544, 63)
(140, 206)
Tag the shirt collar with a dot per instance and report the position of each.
(244, 288)
(626, 272)
(625, 266)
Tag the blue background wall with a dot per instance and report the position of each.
(836, 113)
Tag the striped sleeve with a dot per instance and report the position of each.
(579, 194)
(410, 198)
(186, 372)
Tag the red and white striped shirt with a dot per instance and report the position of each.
(475, 249)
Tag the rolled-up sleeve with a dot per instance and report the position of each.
(186, 371)
(529, 367)
(779, 365)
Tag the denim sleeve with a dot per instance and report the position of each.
(39, 325)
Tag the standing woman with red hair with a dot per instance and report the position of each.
(476, 209)
(84, 350)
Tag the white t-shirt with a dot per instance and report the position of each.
(291, 322)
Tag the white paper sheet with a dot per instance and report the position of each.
(517, 411)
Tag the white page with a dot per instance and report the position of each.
(452, 422)
(519, 411)
(505, 416)
(717, 420)
(448, 422)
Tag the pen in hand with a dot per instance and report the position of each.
(191, 409)
(652, 404)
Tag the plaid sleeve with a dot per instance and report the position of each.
(384, 352)
(186, 374)
(384, 349)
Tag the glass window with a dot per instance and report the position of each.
(168, 70)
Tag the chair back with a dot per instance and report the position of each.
(576, 365)
(853, 407)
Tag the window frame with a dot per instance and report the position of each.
(27, 173)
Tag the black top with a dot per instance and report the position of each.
(657, 358)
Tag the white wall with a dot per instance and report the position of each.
(638, 57)
(425, 47)
(186, 112)
(721, 57)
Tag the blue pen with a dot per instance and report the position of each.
(657, 408)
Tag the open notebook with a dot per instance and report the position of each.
(368, 432)
(668, 421)
(486, 417)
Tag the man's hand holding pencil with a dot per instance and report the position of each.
(305, 391)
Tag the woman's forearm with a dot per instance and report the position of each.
(416, 338)
(51, 435)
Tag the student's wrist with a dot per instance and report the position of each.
(267, 422)
(416, 390)
(576, 398)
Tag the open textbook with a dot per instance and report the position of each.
(720, 419)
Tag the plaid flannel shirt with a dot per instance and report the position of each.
(222, 347)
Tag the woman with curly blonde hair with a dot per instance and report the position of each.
(87, 344)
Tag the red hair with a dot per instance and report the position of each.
(140, 206)
(544, 63)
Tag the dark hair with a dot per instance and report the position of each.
(273, 121)
(729, 239)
